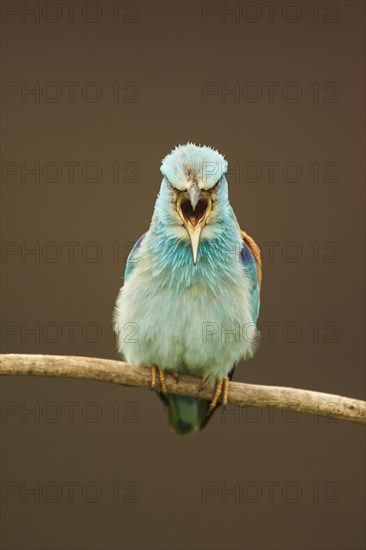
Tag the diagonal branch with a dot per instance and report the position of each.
(243, 395)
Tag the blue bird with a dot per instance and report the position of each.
(190, 299)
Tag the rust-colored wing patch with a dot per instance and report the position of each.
(256, 253)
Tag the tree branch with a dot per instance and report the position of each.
(243, 395)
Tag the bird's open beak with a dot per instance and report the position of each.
(193, 208)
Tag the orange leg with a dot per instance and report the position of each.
(162, 381)
(225, 394)
(222, 387)
(154, 372)
(217, 394)
(153, 377)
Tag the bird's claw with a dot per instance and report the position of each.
(222, 388)
(154, 371)
(153, 377)
(162, 381)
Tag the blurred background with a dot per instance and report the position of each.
(94, 95)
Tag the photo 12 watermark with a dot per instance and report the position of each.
(31, 12)
(69, 92)
(270, 12)
(69, 172)
(91, 332)
(69, 412)
(270, 92)
(292, 413)
(69, 492)
(272, 332)
(270, 492)
(93, 252)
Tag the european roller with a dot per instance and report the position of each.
(191, 287)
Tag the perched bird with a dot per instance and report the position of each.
(191, 287)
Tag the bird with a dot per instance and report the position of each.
(190, 298)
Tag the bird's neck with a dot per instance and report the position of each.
(218, 255)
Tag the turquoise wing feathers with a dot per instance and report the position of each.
(131, 261)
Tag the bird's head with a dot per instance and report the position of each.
(193, 195)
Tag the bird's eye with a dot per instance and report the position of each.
(171, 186)
(216, 185)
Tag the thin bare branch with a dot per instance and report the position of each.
(243, 395)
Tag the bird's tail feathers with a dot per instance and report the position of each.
(187, 414)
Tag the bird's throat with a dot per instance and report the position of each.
(194, 219)
(194, 216)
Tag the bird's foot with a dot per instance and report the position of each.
(222, 388)
(154, 372)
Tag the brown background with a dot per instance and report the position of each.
(169, 52)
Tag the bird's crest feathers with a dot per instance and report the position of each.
(190, 162)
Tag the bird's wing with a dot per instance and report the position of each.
(251, 259)
(131, 261)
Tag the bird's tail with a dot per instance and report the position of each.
(187, 414)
